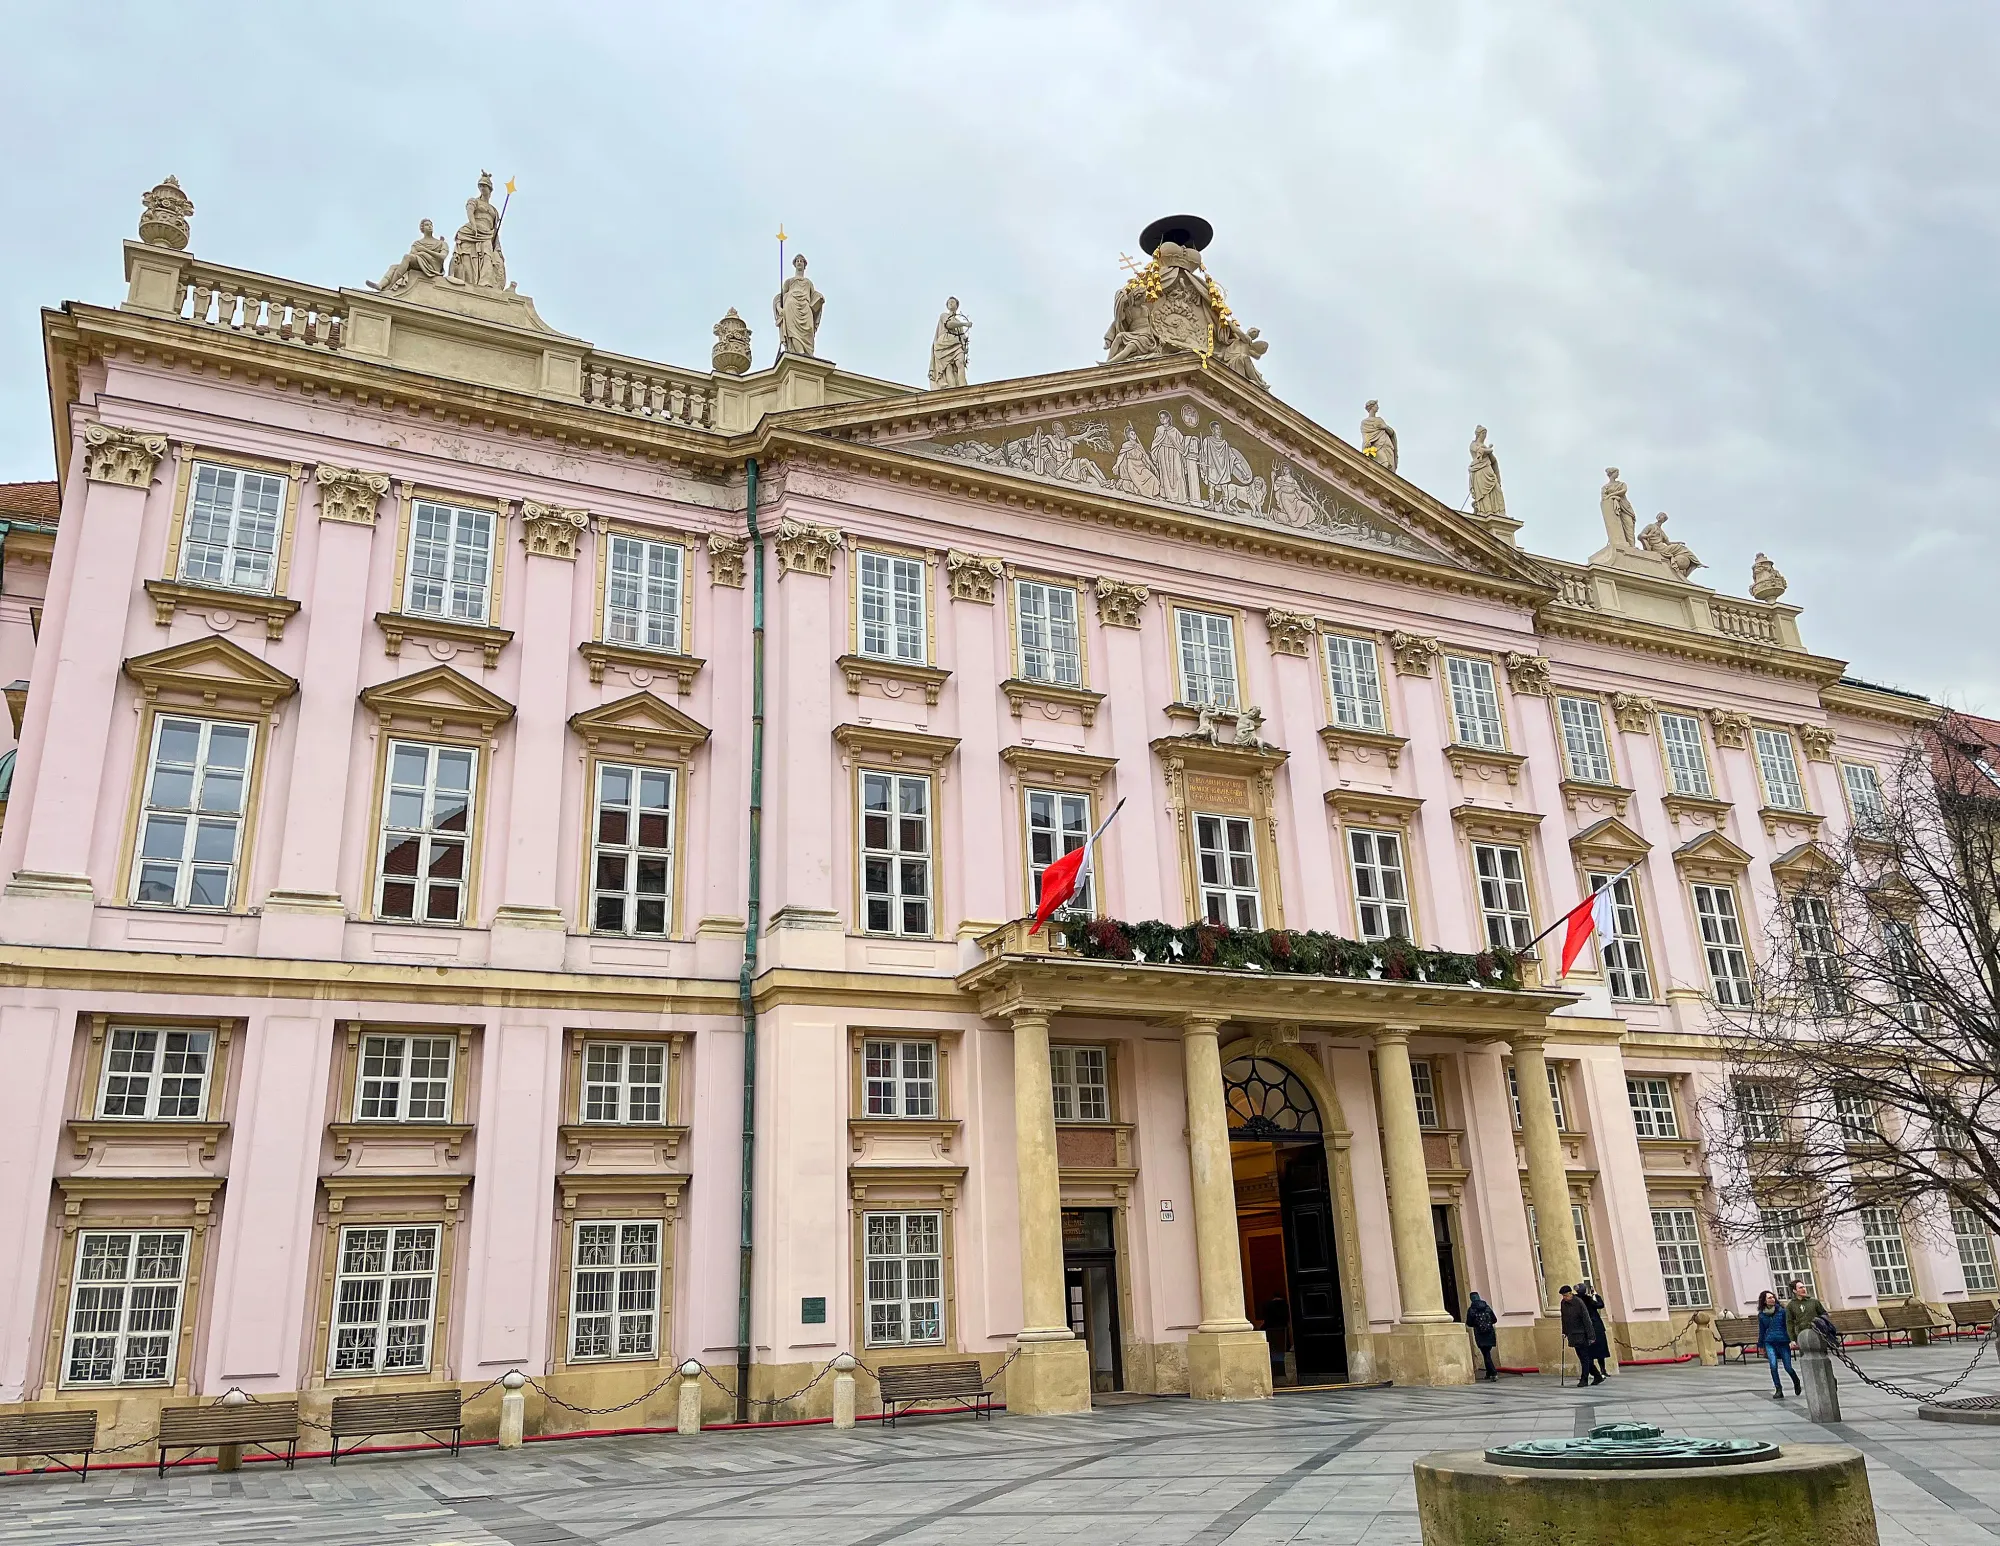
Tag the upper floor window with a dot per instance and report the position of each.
(404, 1079)
(1864, 795)
(896, 854)
(642, 594)
(1079, 1078)
(1819, 952)
(1624, 953)
(1225, 852)
(1906, 965)
(1425, 1083)
(1722, 945)
(614, 1307)
(384, 1294)
(625, 1083)
(1757, 1113)
(426, 832)
(1855, 1116)
(1687, 759)
(1208, 657)
(889, 601)
(125, 1307)
(1381, 889)
(1585, 749)
(1050, 642)
(1503, 895)
(1653, 1108)
(1354, 681)
(900, 1078)
(1555, 1094)
(191, 829)
(632, 869)
(1475, 703)
(155, 1073)
(451, 563)
(1780, 767)
(1058, 823)
(235, 519)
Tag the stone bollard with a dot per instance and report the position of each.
(843, 1391)
(690, 1397)
(513, 1409)
(229, 1457)
(1707, 1346)
(1822, 1390)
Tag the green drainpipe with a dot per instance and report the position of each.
(752, 923)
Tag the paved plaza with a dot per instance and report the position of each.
(1331, 1467)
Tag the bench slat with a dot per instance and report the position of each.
(42, 1433)
(200, 1426)
(391, 1413)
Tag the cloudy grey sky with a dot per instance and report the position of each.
(1745, 251)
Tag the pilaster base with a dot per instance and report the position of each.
(1427, 1353)
(304, 925)
(1228, 1365)
(39, 908)
(1048, 1378)
(528, 938)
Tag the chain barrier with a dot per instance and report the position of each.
(1902, 1393)
(602, 1411)
(1679, 1337)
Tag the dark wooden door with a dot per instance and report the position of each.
(1319, 1328)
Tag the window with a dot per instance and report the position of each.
(1585, 749)
(125, 1307)
(900, 1078)
(1722, 945)
(1555, 1095)
(451, 562)
(383, 1295)
(614, 1291)
(1906, 963)
(1503, 895)
(155, 1074)
(1780, 767)
(1058, 823)
(1354, 679)
(890, 602)
(1051, 650)
(1864, 796)
(1786, 1249)
(1426, 1087)
(1757, 1113)
(1653, 1108)
(1381, 891)
(234, 520)
(632, 869)
(1582, 1249)
(1975, 1251)
(1882, 1234)
(1475, 703)
(624, 1083)
(896, 854)
(426, 826)
(1228, 870)
(1855, 1116)
(404, 1079)
(642, 594)
(1687, 761)
(191, 830)
(1208, 658)
(1624, 952)
(1082, 1090)
(905, 1262)
(1819, 952)
(1678, 1237)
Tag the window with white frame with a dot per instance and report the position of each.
(1906, 965)
(191, 826)
(451, 563)
(426, 832)
(896, 854)
(1819, 951)
(1580, 1225)
(1225, 853)
(624, 1082)
(614, 1293)
(1780, 766)
(899, 1078)
(404, 1079)
(1422, 1079)
(1585, 749)
(1050, 641)
(1058, 823)
(1502, 872)
(155, 1073)
(642, 593)
(1653, 1108)
(1381, 888)
(1623, 954)
(125, 1307)
(1687, 758)
(889, 607)
(1975, 1251)
(904, 1261)
(1854, 1115)
(632, 851)
(1882, 1235)
(384, 1296)
(1677, 1234)
(1354, 682)
(1555, 1094)
(1757, 1113)
(1786, 1250)
(1864, 795)
(235, 521)
(1722, 945)
(1475, 703)
(1079, 1077)
(1208, 657)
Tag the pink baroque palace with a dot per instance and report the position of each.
(520, 857)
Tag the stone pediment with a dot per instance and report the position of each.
(437, 700)
(642, 722)
(1711, 856)
(207, 672)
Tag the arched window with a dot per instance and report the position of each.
(1267, 1100)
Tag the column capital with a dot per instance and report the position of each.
(1528, 1040)
(1033, 1011)
(114, 454)
(1202, 1024)
(1394, 1033)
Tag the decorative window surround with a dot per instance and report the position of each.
(1702, 813)
(1224, 780)
(893, 678)
(635, 660)
(170, 596)
(595, 1147)
(379, 1201)
(589, 1198)
(884, 1143)
(183, 562)
(1363, 745)
(445, 1138)
(398, 626)
(1051, 699)
(100, 1141)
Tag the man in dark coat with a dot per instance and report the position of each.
(1600, 1340)
(1484, 1326)
(1576, 1330)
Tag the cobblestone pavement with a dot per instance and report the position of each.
(1326, 1468)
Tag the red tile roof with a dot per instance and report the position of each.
(34, 501)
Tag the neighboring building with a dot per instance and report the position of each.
(378, 880)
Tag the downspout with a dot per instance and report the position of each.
(752, 923)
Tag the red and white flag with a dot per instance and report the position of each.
(1067, 876)
(1592, 914)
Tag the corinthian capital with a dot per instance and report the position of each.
(123, 456)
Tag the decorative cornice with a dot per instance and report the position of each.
(1609, 841)
(885, 744)
(1414, 652)
(552, 530)
(643, 722)
(1081, 701)
(1119, 603)
(725, 559)
(1482, 763)
(126, 457)
(1699, 809)
(435, 699)
(1615, 798)
(1203, 755)
(1529, 674)
(349, 495)
(1711, 856)
(1858, 698)
(398, 626)
(1057, 765)
(1363, 744)
(210, 671)
(972, 576)
(682, 668)
(1373, 806)
(1292, 633)
(807, 548)
(894, 677)
(1562, 621)
(1494, 821)
(1776, 819)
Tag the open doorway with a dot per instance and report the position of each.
(1090, 1285)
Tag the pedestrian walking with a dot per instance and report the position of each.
(1600, 1340)
(1484, 1326)
(1577, 1333)
(1802, 1310)
(1774, 1336)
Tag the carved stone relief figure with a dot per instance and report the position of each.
(1377, 438)
(476, 259)
(164, 215)
(1484, 475)
(1766, 584)
(1133, 471)
(1621, 521)
(731, 354)
(425, 260)
(1249, 727)
(796, 309)
(1241, 350)
(1204, 725)
(1224, 470)
(951, 346)
(1678, 556)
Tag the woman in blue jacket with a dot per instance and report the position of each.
(1774, 1336)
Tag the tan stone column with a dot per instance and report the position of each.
(1417, 1279)
(1228, 1358)
(1052, 1370)
(1548, 1183)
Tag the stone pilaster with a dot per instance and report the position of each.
(1228, 1359)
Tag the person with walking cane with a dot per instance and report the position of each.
(1577, 1333)
(1774, 1336)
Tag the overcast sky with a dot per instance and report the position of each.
(1746, 251)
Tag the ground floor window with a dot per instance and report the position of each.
(1677, 1234)
(1787, 1251)
(125, 1307)
(1882, 1234)
(615, 1290)
(905, 1278)
(1582, 1227)
(1975, 1251)
(384, 1296)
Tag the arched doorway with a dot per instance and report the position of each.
(1285, 1218)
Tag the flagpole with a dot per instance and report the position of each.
(1565, 917)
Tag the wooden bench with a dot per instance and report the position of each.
(1855, 1323)
(1970, 1315)
(1739, 1332)
(906, 1385)
(46, 1435)
(1908, 1320)
(433, 1413)
(261, 1424)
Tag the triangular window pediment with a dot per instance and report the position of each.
(1804, 865)
(641, 723)
(437, 700)
(1711, 851)
(209, 672)
(1609, 841)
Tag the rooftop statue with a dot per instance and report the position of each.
(1766, 583)
(1621, 521)
(951, 345)
(1678, 556)
(1173, 305)
(796, 309)
(1487, 499)
(1378, 440)
(731, 354)
(424, 260)
(476, 259)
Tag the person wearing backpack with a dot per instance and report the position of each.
(1484, 1326)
